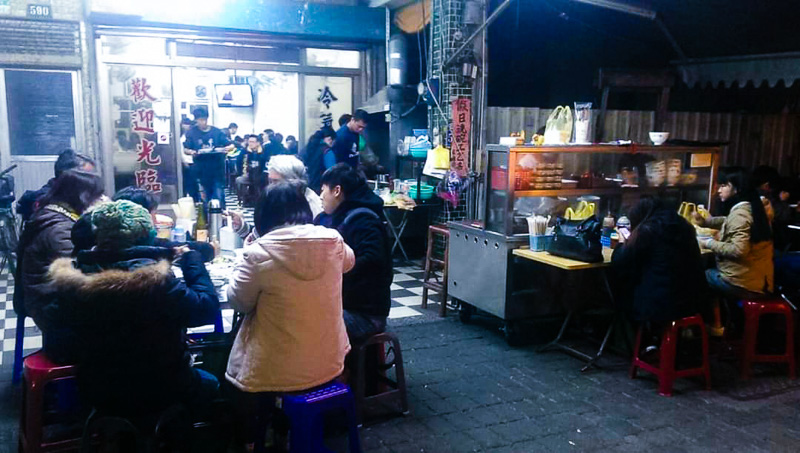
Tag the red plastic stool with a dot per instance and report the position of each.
(753, 309)
(37, 372)
(665, 370)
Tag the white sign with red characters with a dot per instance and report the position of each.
(142, 124)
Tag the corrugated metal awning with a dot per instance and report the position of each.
(730, 71)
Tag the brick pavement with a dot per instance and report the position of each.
(469, 391)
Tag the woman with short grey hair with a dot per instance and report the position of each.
(289, 168)
(281, 167)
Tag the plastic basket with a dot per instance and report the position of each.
(540, 243)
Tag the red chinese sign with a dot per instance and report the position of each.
(459, 148)
(142, 124)
(147, 179)
(139, 90)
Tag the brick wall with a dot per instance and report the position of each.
(447, 27)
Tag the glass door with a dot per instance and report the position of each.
(141, 122)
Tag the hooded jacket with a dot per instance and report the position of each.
(741, 262)
(662, 250)
(45, 238)
(289, 286)
(367, 288)
(127, 315)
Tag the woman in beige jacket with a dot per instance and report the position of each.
(289, 287)
(744, 246)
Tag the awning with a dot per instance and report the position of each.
(730, 71)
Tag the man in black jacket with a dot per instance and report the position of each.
(357, 213)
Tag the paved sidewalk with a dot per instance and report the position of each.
(469, 391)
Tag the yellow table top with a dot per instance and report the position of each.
(563, 263)
(569, 264)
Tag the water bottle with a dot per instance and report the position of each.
(178, 234)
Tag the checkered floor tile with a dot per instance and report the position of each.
(406, 304)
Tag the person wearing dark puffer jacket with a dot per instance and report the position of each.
(356, 212)
(46, 237)
(128, 314)
(660, 269)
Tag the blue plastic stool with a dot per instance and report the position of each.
(16, 372)
(305, 412)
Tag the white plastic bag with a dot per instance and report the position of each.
(558, 130)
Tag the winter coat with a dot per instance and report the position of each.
(45, 238)
(128, 313)
(367, 288)
(289, 286)
(660, 270)
(742, 263)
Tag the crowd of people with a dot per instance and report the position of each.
(207, 150)
(314, 276)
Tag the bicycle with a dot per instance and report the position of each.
(9, 236)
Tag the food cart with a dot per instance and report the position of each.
(521, 181)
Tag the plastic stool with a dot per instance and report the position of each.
(665, 371)
(432, 264)
(306, 412)
(38, 371)
(753, 309)
(16, 372)
(390, 391)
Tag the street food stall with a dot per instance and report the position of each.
(573, 181)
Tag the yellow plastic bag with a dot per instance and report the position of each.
(441, 157)
(558, 129)
(687, 210)
(582, 212)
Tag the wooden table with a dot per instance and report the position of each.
(573, 265)
(564, 263)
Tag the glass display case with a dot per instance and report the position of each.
(551, 180)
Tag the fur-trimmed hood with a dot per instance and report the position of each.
(140, 281)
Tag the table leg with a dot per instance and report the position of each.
(397, 232)
(590, 360)
(401, 228)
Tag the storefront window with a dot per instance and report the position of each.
(270, 102)
(41, 112)
(138, 47)
(141, 112)
(333, 58)
(326, 99)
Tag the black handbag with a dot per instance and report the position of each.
(578, 240)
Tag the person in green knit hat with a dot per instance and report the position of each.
(122, 224)
(128, 313)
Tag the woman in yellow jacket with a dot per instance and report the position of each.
(743, 248)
